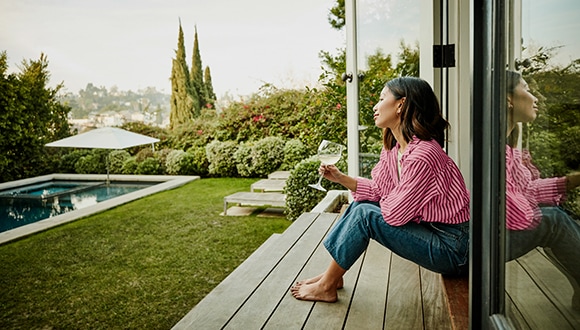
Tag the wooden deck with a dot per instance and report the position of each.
(538, 295)
(381, 291)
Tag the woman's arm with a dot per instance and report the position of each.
(572, 181)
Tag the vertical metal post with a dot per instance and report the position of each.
(352, 89)
(488, 101)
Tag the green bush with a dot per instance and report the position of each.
(294, 152)
(173, 162)
(243, 159)
(300, 197)
(93, 163)
(199, 164)
(68, 161)
(220, 157)
(161, 156)
(116, 160)
(130, 166)
(149, 166)
(267, 155)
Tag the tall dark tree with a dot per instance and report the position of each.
(197, 77)
(183, 95)
(31, 115)
(211, 97)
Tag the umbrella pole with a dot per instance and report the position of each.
(108, 168)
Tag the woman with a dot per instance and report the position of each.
(529, 224)
(416, 204)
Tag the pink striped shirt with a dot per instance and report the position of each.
(525, 191)
(431, 187)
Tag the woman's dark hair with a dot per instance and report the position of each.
(420, 115)
(512, 80)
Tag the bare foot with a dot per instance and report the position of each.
(317, 278)
(314, 292)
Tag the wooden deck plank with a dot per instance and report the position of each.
(332, 316)
(434, 303)
(368, 306)
(222, 302)
(538, 311)
(299, 310)
(263, 301)
(514, 315)
(554, 285)
(404, 296)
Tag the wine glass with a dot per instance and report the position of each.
(328, 153)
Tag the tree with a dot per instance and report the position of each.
(31, 116)
(211, 97)
(183, 95)
(336, 18)
(197, 78)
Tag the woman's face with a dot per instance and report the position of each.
(387, 111)
(525, 107)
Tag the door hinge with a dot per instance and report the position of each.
(444, 56)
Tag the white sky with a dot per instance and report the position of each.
(246, 43)
(130, 43)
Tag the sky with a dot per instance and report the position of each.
(131, 43)
(246, 43)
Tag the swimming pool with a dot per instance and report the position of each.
(24, 205)
(35, 204)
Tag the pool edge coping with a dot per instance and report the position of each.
(168, 182)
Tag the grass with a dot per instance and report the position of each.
(142, 265)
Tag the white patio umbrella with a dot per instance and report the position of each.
(104, 138)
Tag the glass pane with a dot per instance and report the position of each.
(387, 47)
(543, 232)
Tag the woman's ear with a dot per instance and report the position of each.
(509, 102)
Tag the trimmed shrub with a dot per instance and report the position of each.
(294, 152)
(301, 198)
(173, 162)
(220, 157)
(93, 163)
(267, 155)
(199, 164)
(129, 166)
(149, 166)
(243, 159)
(68, 161)
(116, 160)
(161, 156)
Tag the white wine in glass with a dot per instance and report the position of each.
(328, 153)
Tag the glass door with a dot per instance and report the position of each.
(382, 43)
(542, 234)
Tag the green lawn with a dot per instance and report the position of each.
(142, 265)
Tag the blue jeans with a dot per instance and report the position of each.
(439, 247)
(558, 234)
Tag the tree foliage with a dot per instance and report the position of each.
(197, 78)
(191, 92)
(183, 96)
(31, 115)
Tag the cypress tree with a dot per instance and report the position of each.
(211, 97)
(197, 77)
(182, 92)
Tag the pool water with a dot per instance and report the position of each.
(29, 204)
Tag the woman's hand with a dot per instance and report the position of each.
(332, 173)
